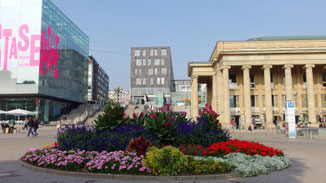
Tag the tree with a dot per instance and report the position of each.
(117, 91)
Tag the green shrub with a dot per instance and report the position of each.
(166, 161)
(113, 117)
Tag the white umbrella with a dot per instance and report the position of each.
(2, 112)
(20, 112)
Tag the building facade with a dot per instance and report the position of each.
(123, 98)
(98, 82)
(250, 81)
(43, 59)
(151, 73)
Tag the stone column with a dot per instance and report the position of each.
(246, 97)
(268, 96)
(214, 86)
(194, 96)
(227, 113)
(311, 95)
(288, 82)
(209, 93)
(220, 100)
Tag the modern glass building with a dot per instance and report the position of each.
(43, 59)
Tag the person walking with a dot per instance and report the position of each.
(11, 126)
(232, 124)
(35, 126)
(30, 125)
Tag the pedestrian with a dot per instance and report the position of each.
(11, 126)
(25, 124)
(42, 124)
(232, 124)
(35, 126)
(59, 124)
(30, 125)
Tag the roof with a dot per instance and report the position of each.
(277, 38)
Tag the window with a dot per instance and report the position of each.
(151, 53)
(150, 72)
(324, 79)
(274, 101)
(234, 100)
(162, 81)
(149, 62)
(156, 71)
(155, 52)
(158, 80)
(163, 71)
(136, 71)
(252, 79)
(144, 81)
(304, 79)
(233, 80)
(138, 81)
(138, 62)
(152, 81)
(324, 100)
(144, 61)
(137, 53)
(162, 61)
(252, 97)
(156, 61)
(144, 52)
(163, 52)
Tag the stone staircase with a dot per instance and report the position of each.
(130, 109)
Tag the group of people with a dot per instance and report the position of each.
(32, 126)
(10, 126)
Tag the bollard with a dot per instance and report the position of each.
(310, 134)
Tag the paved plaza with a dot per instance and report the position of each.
(308, 159)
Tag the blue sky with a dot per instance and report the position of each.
(190, 27)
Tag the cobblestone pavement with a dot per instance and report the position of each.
(307, 156)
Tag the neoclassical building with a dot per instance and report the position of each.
(250, 81)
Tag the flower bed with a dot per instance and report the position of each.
(220, 149)
(119, 144)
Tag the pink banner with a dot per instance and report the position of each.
(24, 42)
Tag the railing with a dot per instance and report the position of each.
(81, 119)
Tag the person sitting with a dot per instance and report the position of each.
(250, 128)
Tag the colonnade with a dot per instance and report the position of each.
(220, 93)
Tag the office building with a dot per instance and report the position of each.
(43, 59)
(151, 74)
(98, 82)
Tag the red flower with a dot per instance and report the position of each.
(168, 106)
(167, 124)
(134, 115)
(142, 114)
(108, 114)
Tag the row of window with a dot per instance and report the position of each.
(254, 99)
(151, 72)
(233, 80)
(152, 52)
(157, 61)
(143, 81)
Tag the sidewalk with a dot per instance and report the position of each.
(307, 156)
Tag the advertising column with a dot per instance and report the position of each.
(290, 118)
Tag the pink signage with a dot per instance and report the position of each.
(27, 45)
(49, 54)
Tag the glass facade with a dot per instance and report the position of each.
(43, 58)
(70, 82)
